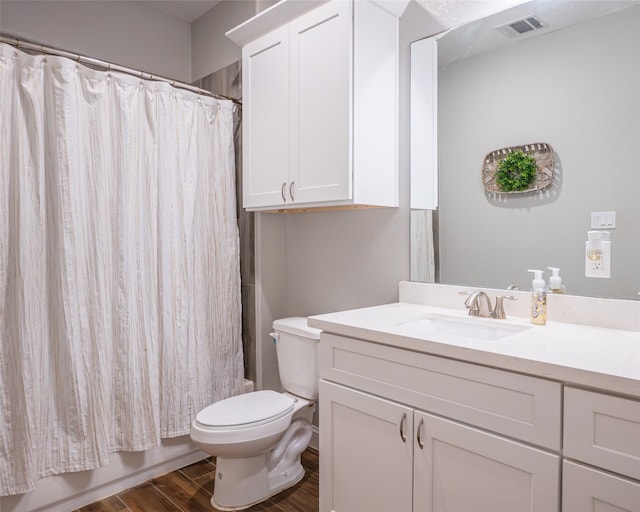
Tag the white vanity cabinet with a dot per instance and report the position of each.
(320, 107)
(405, 431)
(603, 431)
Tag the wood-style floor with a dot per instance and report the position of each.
(189, 490)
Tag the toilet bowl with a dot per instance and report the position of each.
(258, 437)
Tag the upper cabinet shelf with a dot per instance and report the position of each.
(320, 105)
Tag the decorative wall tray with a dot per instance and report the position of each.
(541, 151)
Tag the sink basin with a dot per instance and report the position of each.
(463, 327)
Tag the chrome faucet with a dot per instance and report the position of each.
(472, 303)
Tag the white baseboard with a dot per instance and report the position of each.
(315, 438)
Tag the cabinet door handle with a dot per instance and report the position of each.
(284, 198)
(418, 436)
(403, 436)
(291, 191)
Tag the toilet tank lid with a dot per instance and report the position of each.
(296, 325)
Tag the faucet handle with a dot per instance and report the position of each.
(498, 310)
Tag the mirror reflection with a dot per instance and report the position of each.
(573, 83)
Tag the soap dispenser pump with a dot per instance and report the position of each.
(538, 308)
(555, 281)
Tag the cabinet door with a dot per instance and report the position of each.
(265, 75)
(588, 490)
(461, 469)
(367, 451)
(321, 49)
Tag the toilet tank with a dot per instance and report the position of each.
(297, 350)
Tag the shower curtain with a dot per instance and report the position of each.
(119, 270)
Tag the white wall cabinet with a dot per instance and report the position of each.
(320, 97)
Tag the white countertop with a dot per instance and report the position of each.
(597, 357)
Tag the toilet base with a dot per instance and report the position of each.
(242, 483)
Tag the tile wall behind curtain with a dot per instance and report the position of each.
(228, 82)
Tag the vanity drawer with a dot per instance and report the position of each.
(522, 407)
(602, 430)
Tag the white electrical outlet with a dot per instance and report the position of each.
(598, 265)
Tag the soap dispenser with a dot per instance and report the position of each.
(555, 281)
(538, 308)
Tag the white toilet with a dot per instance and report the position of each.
(258, 437)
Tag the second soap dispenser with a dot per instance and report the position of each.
(538, 307)
(555, 281)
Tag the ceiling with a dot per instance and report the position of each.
(482, 35)
(185, 10)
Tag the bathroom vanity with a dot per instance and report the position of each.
(425, 408)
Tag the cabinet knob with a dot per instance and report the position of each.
(284, 185)
(291, 191)
(403, 436)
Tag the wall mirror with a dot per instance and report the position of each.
(574, 83)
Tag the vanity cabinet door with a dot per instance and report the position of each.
(265, 75)
(462, 469)
(589, 490)
(367, 452)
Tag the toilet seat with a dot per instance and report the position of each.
(259, 415)
(246, 411)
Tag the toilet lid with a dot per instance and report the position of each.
(245, 410)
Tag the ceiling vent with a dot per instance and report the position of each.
(522, 26)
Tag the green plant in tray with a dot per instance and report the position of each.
(516, 171)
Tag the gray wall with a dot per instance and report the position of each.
(125, 33)
(211, 49)
(565, 88)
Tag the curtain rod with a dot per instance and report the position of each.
(19, 43)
